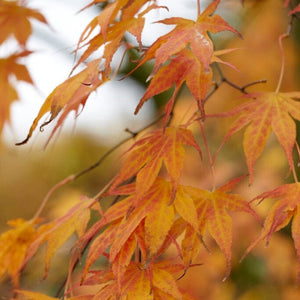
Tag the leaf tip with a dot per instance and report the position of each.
(23, 142)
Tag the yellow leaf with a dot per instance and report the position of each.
(14, 244)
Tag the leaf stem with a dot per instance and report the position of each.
(212, 169)
(232, 84)
(51, 191)
(198, 8)
(281, 37)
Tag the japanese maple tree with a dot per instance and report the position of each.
(153, 210)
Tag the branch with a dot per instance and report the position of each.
(75, 176)
(235, 86)
(133, 135)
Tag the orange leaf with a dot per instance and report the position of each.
(193, 65)
(185, 66)
(142, 283)
(114, 214)
(14, 20)
(14, 245)
(145, 207)
(146, 156)
(57, 232)
(136, 284)
(266, 112)
(161, 217)
(69, 96)
(9, 69)
(212, 210)
(191, 245)
(147, 221)
(175, 231)
(99, 245)
(280, 215)
(123, 259)
(185, 207)
(112, 31)
(165, 282)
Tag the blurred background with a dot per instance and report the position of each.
(28, 172)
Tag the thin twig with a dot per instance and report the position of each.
(52, 190)
(133, 135)
(253, 83)
(75, 176)
(198, 8)
(235, 86)
(281, 37)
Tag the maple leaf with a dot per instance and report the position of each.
(184, 67)
(14, 20)
(149, 220)
(14, 245)
(58, 231)
(146, 156)
(212, 213)
(263, 113)
(10, 69)
(146, 221)
(155, 202)
(187, 34)
(280, 215)
(112, 31)
(69, 96)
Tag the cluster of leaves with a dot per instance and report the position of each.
(152, 210)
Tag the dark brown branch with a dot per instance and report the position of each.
(235, 86)
(133, 135)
